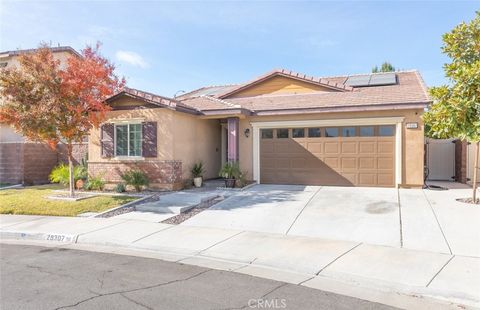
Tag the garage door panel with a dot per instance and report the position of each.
(385, 179)
(332, 162)
(267, 163)
(331, 148)
(338, 161)
(367, 147)
(385, 147)
(282, 163)
(298, 163)
(385, 163)
(349, 147)
(367, 179)
(350, 178)
(267, 147)
(366, 163)
(349, 163)
(315, 147)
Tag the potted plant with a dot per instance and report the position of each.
(230, 172)
(197, 173)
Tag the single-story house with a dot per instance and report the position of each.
(282, 127)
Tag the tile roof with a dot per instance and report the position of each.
(290, 74)
(409, 90)
(154, 99)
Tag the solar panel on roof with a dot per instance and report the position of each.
(358, 80)
(371, 80)
(383, 79)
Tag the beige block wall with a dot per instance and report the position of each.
(413, 139)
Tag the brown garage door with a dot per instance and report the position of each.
(347, 156)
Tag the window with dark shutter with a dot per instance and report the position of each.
(149, 145)
(106, 139)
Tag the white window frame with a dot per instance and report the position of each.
(397, 121)
(128, 123)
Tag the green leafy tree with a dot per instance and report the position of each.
(455, 112)
(385, 67)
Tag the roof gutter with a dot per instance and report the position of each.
(359, 108)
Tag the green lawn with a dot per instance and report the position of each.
(31, 200)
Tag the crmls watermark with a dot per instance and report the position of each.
(267, 303)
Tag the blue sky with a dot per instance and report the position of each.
(163, 47)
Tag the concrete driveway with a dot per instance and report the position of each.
(411, 218)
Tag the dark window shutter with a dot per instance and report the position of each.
(106, 139)
(149, 145)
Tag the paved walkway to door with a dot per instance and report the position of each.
(411, 218)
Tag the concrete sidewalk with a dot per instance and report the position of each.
(398, 277)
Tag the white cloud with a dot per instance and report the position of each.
(131, 58)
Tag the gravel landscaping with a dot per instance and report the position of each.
(182, 217)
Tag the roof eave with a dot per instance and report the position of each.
(358, 108)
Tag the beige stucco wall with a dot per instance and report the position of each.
(180, 136)
(412, 148)
(197, 140)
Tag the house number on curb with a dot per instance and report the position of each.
(59, 238)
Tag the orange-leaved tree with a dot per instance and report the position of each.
(51, 102)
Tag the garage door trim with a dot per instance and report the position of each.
(397, 121)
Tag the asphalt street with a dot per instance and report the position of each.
(33, 277)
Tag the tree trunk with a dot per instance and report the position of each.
(70, 166)
(475, 171)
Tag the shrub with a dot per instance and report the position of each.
(197, 170)
(231, 170)
(120, 188)
(94, 183)
(136, 178)
(60, 174)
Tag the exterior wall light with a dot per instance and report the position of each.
(247, 132)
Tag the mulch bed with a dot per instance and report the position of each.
(182, 217)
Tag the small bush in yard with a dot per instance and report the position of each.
(136, 178)
(94, 183)
(60, 174)
(120, 188)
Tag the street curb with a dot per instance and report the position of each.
(400, 296)
(46, 237)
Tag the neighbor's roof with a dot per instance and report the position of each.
(53, 49)
(408, 92)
